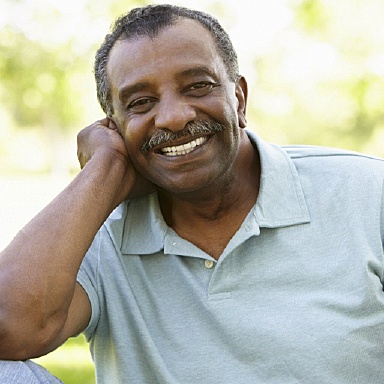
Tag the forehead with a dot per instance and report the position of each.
(184, 44)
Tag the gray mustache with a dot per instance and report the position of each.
(191, 129)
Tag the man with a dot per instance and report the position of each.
(227, 259)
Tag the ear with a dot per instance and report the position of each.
(242, 97)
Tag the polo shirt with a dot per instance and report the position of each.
(296, 296)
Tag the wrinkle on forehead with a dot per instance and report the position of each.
(179, 31)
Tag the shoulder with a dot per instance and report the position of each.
(311, 160)
(312, 151)
(335, 161)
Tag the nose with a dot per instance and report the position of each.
(173, 112)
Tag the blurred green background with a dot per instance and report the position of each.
(315, 70)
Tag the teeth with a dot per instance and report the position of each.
(184, 148)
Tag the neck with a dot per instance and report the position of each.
(211, 217)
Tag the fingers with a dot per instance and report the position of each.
(106, 122)
(102, 134)
(112, 125)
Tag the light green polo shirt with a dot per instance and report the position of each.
(296, 296)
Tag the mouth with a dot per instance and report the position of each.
(183, 149)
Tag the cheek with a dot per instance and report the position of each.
(133, 134)
(134, 140)
(225, 109)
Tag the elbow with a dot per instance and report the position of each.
(11, 345)
(22, 339)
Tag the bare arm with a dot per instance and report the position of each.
(41, 305)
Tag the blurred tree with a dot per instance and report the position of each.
(323, 80)
(46, 57)
(37, 82)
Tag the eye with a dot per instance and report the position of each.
(141, 105)
(201, 89)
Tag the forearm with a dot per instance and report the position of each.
(38, 269)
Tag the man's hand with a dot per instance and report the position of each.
(102, 138)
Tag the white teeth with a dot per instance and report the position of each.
(184, 148)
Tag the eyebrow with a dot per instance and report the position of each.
(127, 91)
(197, 71)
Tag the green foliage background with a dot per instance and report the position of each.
(315, 70)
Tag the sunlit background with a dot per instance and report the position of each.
(315, 70)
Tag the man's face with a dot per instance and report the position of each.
(159, 86)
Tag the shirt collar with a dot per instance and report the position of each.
(280, 203)
(281, 200)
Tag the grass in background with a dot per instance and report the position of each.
(71, 363)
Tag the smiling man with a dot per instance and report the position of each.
(187, 249)
(180, 115)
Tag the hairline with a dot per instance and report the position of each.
(123, 37)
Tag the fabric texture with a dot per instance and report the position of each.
(296, 296)
(25, 372)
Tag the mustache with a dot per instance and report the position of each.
(191, 129)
